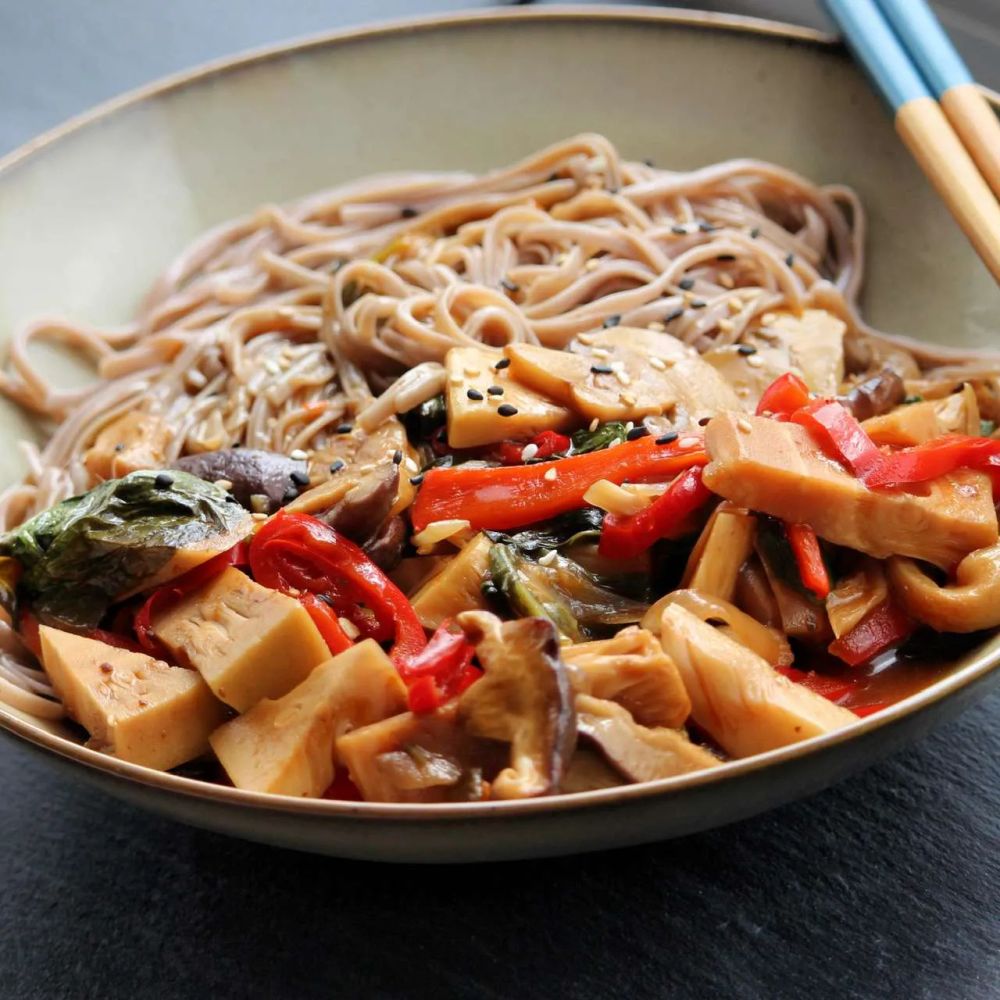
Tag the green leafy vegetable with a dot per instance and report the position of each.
(81, 554)
(423, 420)
(603, 437)
(566, 529)
(507, 572)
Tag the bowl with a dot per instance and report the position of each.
(91, 212)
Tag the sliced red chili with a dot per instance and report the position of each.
(809, 559)
(883, 626)
(783, 397)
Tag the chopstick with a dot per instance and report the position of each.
(950, 81)
(922, 125)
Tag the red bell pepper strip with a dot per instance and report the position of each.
(501, 499)
(27, 628)
(161, 598)
(668, 516)
(297, 552)
(831, 688)
(881, 628)
(936, 458)
(327, 622)
(547, 443)
(809, 559)
(441, 671)
(839, 434)
(786, 394)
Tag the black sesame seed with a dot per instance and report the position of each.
(416, 480)
(502, 363)
(337, 465)
(699, 304)
(299, 478)
(679, 230)
(345, 428)
(610, 321)
(163, 481)
(636, 433)
(408, 212)
(601, 369)
(707, 227)
(289, 495)
(649, 163)
(474, 394)
(613, 190)
(686, 284)
(755, 232)
(119, 447)
(509, 285)
(725, 256)
(676, 314)
(790, 260)
(231, 499)
(397, 457)
(506, 410)
(668, 438)
(746, 350)
(495, 390)
(703, 422)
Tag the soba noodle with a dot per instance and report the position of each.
(272, 329)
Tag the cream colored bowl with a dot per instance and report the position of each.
(90, 213)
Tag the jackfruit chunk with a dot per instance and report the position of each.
(248, 642)
(135, 707)
(286, 747)
(484, 417)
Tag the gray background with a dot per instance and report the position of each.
(885, 886)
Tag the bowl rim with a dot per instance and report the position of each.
(984, 661)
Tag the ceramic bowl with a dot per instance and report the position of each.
(90, 213)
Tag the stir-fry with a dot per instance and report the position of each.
(567, 559)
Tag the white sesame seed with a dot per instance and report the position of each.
(657, 326)
(298, 455)
(560, 258)
(688, 442)
(623, 377)
(755, 361)
(629, 426)
(258, 516)
(594, 424)
(735, 305)
(350, 629)
(224, 484)
(726, 280)
(196, 379)
(548, 558)
(627, 399)
(551, 474)
(259, 503)
(600, 352)
(591, 265)
(585, 338)
(768, 318)
(411, 466)
(528, 452)
(455, 379)
(744, 425)
(658, 364)
(726, 325)
(271, 367)
(472, 372)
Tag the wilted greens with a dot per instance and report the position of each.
(81, 554)
(601, 437)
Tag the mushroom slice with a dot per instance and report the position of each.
(524, 698)
(736, 696)
(638, 753)
(632, 670)
(970, 603)
(769, 643)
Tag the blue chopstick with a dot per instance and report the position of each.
(878, 49)
(928, 44)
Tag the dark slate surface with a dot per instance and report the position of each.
(886, 886)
